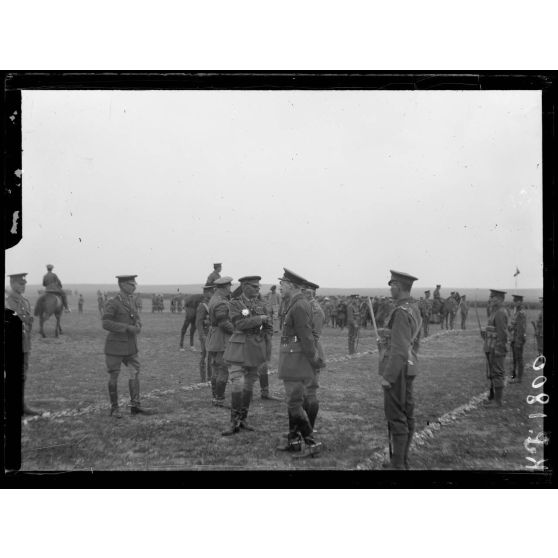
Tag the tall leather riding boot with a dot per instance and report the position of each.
(213, 387)
(220, 388)
(202, 371)
(312, 412)
(236, 403)
(113, 396)
(24, 408)
(399, 444)
(135, 407)
(407, 446)
(264, 381)
(245, 405)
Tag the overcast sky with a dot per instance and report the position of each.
(339, 186)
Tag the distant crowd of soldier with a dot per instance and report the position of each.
(235, 329)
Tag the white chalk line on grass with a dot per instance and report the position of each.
(200, 385)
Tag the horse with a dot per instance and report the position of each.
(448, 311)
(48, 304)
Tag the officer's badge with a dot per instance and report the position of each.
(245, 312)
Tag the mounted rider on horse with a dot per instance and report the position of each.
(52, 284)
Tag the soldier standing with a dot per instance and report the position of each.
(52, 284)
(202, 325)
(122, 321)
(310, 402)
(464, 310)
(215, 274)
(299, 360)
(190, 306)
(263, 370)
(342, 313)
(353, 322)
(399, 366)
(495, 344)
(80, 304)
(518, 334)
(426, 312)
(100, 302)
(21, 306)
(333, 313)
(247, 349)
(274, 300)
(220, 330)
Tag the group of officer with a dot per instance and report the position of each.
(236, 328)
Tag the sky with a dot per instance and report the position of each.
(339, 186)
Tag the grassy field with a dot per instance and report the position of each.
(67, 380)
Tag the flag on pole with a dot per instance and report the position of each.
(516, 271)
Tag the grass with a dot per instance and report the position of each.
(68, 380)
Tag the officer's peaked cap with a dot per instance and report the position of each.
(216, 264)
(426, 292)
(222, 281)
(293, 277)
(310, 285)
(208, 287)
(250, 279)
(15, 276)
(404, 279)
(495, 292)
(517, 298)
(125, 278)
(49, 266)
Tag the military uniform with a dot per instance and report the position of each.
(495, 344)
(214, 275)
(310, 402)
(220, 330)
(299, 360)
(353, 322)
(247, 350)
(464, 310)
(190, 307)
(518, 334)
(122, 321)
(52, 284)
(80, 304)
(202, 325)
(263, 370)
(20, 305)
(425, 306)
(398, 368)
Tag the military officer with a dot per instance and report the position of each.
(495, 344)
(220, 330)
(202, 326)
(52, 284)
(215, 274)
(518, 335)
(247, 349)
(310, 402)
(274, 300)
(353, 321)
(464, 310)
(263, 370)
(426, 311)
(299, 359)
(539, 329)
(399, 366)
(122, 321)
(80, 304)
(21, 306)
